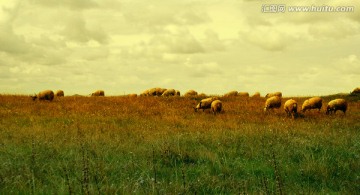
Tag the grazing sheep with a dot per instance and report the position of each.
(202, 95)
(337, 104)
(44, 95)
(204, 104)
(231, 94)
(355, 91)
(273, 94)
(132, 95)
(216, 106)
(243, 94)
(59, 93)
(157, 91)
(145, 93)
(190, 93)
(177, 93)
(256, 95)
(272, 102)
(290, 108)
(312, 103)
(169, 92)
(98, 93)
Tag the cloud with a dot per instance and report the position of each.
(12, 43)
(73, 4)
(268, 38)
(202, 69)
(77, 30)
(155, 16)
(337, 29)
(349, 65)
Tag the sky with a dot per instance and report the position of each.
(211, 46)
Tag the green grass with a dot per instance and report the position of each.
(147, 145)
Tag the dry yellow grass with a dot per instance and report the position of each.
(160, 145)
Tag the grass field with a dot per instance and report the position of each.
(154, 145)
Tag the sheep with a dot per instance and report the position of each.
(204, 104)
(157, 91)
(132, 95)
(190, 93)
(44, 95)
(231, 94)
(243, 94)
(272, 102)
(98, 93)
(273, 94)
(337, 104)
(290, 108)
(169, 92)
(145, 93)
(202, 95)
(312, 103)
(355, 91)
(59, 93)
(256, 95)
(216, 106)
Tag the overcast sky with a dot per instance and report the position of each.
(211, 46)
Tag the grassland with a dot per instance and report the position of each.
(151, 145)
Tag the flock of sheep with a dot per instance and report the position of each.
(215, 105)
(291, 106)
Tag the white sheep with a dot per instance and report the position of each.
(290, 107)
(190, 93)
(216, 106)
(256, 95)
(59, 93)
(44, 95)
(98, 93)
(312, 103)
(231, 94)
(132, 95)
(157, 91)
(204, 104)
(355, 91)
(243, 94)
(272, 102)
(169, 92)
(273, 94)
(337, 104)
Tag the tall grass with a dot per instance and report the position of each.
(150, 145)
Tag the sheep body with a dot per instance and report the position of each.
(290, 107)
(205, 103)
(216, 106)
(98, 93)
(177, 93)
(256, 95)
(132, 95)
(231, 94)
(157, 91)
(243, 94)
(59, 93)
(279, 94)
(44, 95)
(272, 102)
(190, 93)
(312, 103)
(356, 91)
(169, 92)
(337, 104)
